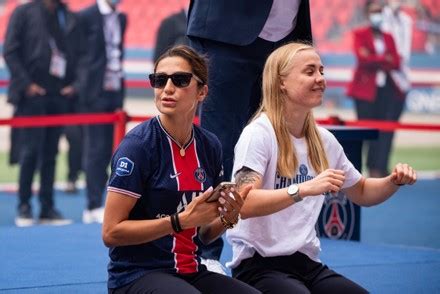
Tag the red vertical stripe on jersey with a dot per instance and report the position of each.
(186, 166)
(184, 251)
(184, 248)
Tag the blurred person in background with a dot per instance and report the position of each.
(376, 95)
(42, 47)
(102, 91)
(171, 32)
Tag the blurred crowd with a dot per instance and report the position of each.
(63, 62)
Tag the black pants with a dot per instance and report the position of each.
(98, 145)
(74, 137)
(38, 149)
(202, 282)
(296, 273)
(384, 107)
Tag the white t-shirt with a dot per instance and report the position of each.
(293, 228)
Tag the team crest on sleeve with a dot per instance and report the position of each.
(124, 167)
(200, 175)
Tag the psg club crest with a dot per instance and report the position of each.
(303, 170)
(338, 218)
(200, 175)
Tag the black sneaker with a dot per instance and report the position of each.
(53, 217)
(24, 216)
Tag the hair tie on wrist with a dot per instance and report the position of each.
(175, 223)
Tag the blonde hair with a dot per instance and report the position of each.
(278, 65)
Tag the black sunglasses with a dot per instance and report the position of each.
(179, 79)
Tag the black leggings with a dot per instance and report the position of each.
(296, 273)
(201, 282)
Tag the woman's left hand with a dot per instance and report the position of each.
(403, 174)
(231, 202)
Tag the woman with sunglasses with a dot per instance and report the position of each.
(293, 165)
(162, 174)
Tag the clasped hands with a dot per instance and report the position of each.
(230, 204)
(199, 212)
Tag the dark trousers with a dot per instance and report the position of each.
(98, 144)
(384, 107)
(74, 136)
(38, 149)
(234, 89)
(14, 151)
(295, 273)
(202, 282)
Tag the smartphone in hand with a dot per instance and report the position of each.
(223, 186)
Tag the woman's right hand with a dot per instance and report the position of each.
(330, 180)
(199, 212)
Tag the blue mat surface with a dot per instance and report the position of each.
(411, 217)
(72, 259)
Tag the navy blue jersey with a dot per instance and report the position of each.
(148, 166)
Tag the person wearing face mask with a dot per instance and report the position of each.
(376, 95)
(102, 91)
(42, 48)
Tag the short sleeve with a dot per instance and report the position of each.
(338, 160)
(253, 149)
(130, 167)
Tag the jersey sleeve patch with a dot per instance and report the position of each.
(124, 167)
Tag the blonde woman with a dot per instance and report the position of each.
(292, 164)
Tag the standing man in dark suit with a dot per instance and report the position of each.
(42, 46)
(102, 91)
(172, 31)
(237, 36)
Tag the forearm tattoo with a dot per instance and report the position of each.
(246, 176)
